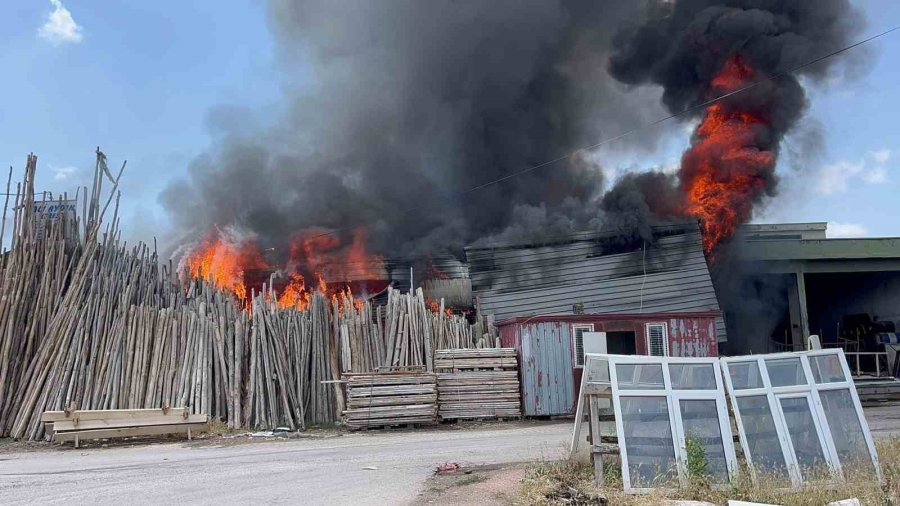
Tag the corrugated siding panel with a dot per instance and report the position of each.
(549, 280)
(547, 381)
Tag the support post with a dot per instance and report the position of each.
(596, 440)
(798, 312)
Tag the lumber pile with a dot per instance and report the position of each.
(79, 425)
(89, 321)
(390, 398)
(292, 362)
(478, 383)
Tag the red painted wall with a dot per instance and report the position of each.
(689, 334)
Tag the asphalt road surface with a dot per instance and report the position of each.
(357, 468)
(306, 471)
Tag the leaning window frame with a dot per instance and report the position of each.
(810, 390)
(673, 400)
(585, 327)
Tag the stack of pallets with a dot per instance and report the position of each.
(478, 383)
(386, 399)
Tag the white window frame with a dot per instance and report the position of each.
(673, 400)
(585, 327)
(810, 390)
(665, 328)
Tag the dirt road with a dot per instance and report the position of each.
(319, 471)
(356, 468)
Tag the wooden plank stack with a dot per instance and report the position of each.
(390, 398)
(478, 383)
(79, 425)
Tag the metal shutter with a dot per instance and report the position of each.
(656, 340)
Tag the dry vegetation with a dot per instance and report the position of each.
(571, 482)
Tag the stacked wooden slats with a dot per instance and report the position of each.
(80, 425)
(390, 398)
(478, 383)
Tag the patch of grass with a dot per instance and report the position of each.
(556, 482)
(217, 427)
(471, 479)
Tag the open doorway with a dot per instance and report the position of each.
(621, 343)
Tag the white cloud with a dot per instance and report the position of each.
(881, 156)
(875, 175)
(63, 173)
(838, 176)
(836, 229)
(834, 177)
(60, 27)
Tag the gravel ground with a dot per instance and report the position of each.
(354, 468)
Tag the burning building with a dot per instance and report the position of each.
(463, 139)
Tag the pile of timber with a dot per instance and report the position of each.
(87, 321)
(478, 384)
(292, 364)
(387, 399)
(80, 425)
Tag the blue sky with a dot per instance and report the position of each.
(142, 79)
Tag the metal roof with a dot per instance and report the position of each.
(578, 318)
(668, 276)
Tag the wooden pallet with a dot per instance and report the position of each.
(478, 384)
(390, 399)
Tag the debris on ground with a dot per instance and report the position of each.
(447, 467)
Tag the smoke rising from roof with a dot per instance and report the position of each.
(391, 106)
(698, 50)
(396, 105)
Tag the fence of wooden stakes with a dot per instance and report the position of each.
(89, 323)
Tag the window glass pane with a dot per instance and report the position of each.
(827, 369)
(701, 425)
(843, 421)
(745, 375)
(804, 438)
(640, 376)
(648, 441)
(761, 436)
(693, 376)
(597, 371)
(785, 372)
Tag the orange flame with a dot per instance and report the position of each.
(435, 307)
(313, 255)
(725, 171)
(223, 261)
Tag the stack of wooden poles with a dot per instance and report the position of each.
(88, 323)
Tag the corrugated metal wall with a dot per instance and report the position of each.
(670, 276)
(548, 385)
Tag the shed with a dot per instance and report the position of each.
(606, 271)
(551, 348)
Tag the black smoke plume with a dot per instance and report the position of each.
(682, 46)
(391, 106)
